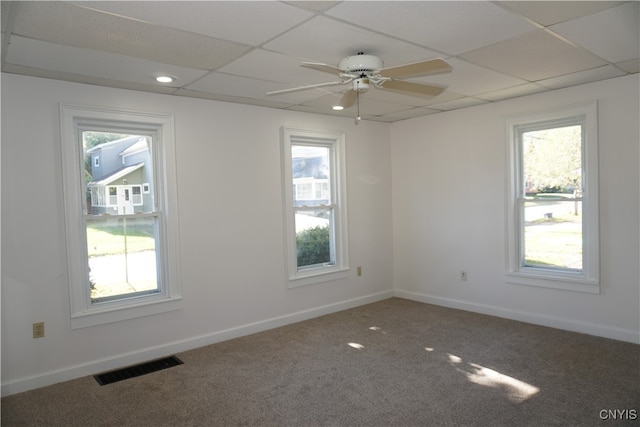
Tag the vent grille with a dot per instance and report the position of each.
(137, 370)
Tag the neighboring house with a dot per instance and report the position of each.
(310, 181)
(121, 177)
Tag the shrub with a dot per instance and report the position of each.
(313, 246)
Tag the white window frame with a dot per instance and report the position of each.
(587, 279)
(335, 141)
(74, 119)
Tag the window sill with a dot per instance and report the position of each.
(115, 313)
(319, 275)
(554, 280)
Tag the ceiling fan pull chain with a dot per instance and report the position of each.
(358, 118)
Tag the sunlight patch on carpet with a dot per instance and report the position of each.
(517, 391)
(378, 329)
(454, 359)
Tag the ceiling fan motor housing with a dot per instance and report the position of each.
(360, 63)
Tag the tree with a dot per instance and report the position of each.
(552, 158)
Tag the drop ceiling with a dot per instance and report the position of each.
(237, 51)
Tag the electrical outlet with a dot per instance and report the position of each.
(38, 330)
(359, 270)
(463, 275)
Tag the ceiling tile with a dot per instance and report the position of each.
(450, 27)
(513, 92)
(309, 94)
(620, 24)
(5, 11)
(317, 6)
(368, 106)
(63, 23)
(105, 65)
(87, 79)
(552, 12)
(325, 101)
(458, 103)
(407, 114)
(229, 98)
(416, 101)
(327, 40)
(316, 110)
(469, 79)
(595, 74)
(226, 84)
(534, 56)
(276, 67)
(631, 66)
(249, 22)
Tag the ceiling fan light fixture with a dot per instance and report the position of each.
(361, 84)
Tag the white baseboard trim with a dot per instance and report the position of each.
(619, 334)
(103, 365)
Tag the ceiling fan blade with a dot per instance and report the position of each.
(417, 69)
(413, 89)
(326, 68)
(300, 88)
(348, 99)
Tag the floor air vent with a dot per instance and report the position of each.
(137, 370)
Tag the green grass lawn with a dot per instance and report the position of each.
(554, 242)
(110, 240)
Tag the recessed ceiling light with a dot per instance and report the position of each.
(165, 79)
(338, 107)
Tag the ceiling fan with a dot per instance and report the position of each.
(362, 71)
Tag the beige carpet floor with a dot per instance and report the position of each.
(391, 363)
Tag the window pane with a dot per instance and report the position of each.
(122, 256)
(313, 237)
(311, 174)
(552, 160)
(553, 233)
(552, 180)
(121, 252)
(125, 165)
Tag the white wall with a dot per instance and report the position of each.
(231, 230)
(449, 177)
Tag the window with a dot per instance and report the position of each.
(315, 203)
(553, 199)
(121, 244)
(136, 194)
